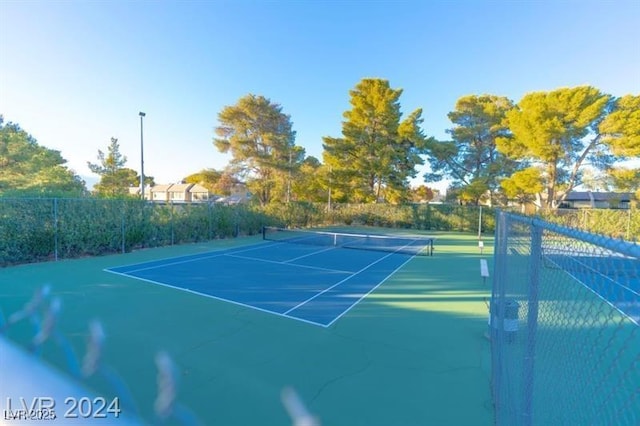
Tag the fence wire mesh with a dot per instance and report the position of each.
(617, 223)
(41, 229)
(565, 338)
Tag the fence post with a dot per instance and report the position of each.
(55, 229)
(498, 293)
(122, 233)
(532, 322)
(209, 221)
(236, 225)
(171, 219)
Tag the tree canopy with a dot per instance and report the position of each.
(312, 181)
(115, 179)
(377, 153)
(217, 182)
(625, 179)
(471, 160)
(523, 185)
(261, 140)
(559, 132)
(207, 177)
(621, 128)
(27, 167)
(423, 194)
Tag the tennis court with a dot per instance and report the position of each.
(365, 337)
(305, 276)
(615, 280)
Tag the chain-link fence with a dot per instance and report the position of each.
(565, 338)
(39, 229)
(616, 223)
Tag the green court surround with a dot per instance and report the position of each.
(412, 353)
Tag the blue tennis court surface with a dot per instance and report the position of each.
(313, 284)
(614, 279)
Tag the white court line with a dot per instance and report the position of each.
(606, 277)
(341, 281)
(285, 314)
(257, 259)
(311, 254)
(608, 302)
(195, 259)
(369, 292)
(222, 299)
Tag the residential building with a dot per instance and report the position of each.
(160, 193)
(198, 193)
(597, 200)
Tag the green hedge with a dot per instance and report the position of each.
(616, 223)
(37, 229)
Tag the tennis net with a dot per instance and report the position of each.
(406, 244)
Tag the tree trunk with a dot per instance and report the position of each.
(378, 189)
(551, 186)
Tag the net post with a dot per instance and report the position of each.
(532, 322)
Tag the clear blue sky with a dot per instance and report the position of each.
(76, 73)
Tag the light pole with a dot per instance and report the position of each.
(141, 114)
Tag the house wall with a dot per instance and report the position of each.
(159, 196)
(199, 196)
(179, 196)
(580, 204)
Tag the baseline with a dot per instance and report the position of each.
(221, 299)
(187, 258)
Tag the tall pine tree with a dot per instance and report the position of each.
(471, 160)
(377, 153)
(261, 140)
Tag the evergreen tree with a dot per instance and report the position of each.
(563, 130)
(377, 153)
(115, 179)
(28, 168)
(471, 159)
(261, 140)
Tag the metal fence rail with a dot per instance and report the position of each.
(565, 339)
